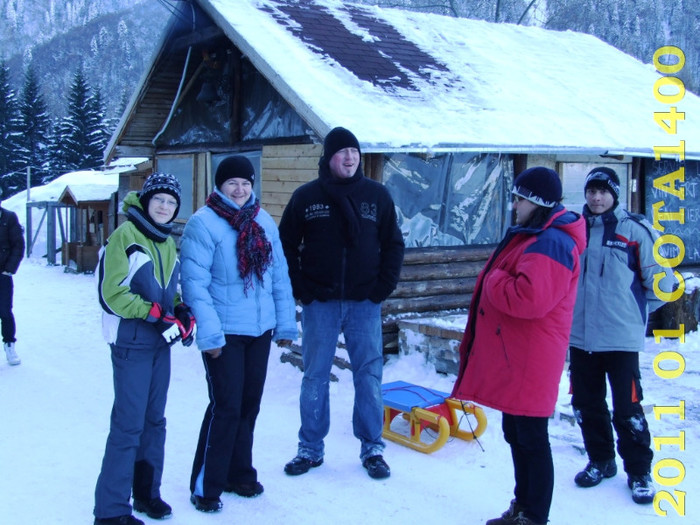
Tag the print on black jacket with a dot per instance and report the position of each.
(341, 264)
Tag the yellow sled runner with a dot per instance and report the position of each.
(427, 408)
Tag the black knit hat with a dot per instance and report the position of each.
(235, 167)
(337, 139)
(161, 183)
(604, 178)
(539, 185)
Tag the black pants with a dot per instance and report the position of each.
(588, 384)
(532, 464)
(6, 317)
(235, 380)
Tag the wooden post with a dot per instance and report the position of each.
(51, 234)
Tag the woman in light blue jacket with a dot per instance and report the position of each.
(235, 279)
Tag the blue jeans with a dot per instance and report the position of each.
(360, 322)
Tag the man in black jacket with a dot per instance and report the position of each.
(11, 253)
(344, 251)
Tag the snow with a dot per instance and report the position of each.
(501, 87)
(55, 420)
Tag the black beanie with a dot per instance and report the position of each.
(539, 185)
(337, 139)
(235, 167)
(160, 183)
(604, 178)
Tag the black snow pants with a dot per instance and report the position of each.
(588, 383)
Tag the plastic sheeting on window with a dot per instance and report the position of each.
(451, 199)
(265, 114)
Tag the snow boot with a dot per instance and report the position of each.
(301, 465)
(643, 490)
(11, 355)
(246, 490)
(595, 472)
(508, 516)
(127, 519)
(206, 504)
(376, 467)
(154, 508)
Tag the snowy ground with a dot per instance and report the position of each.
(55, 414)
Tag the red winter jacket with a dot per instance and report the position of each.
(514, 346)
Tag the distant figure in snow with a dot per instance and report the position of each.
(11, 253)
(142, 318)
(514, 346)
(615, 296)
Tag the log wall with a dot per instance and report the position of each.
(432, 281)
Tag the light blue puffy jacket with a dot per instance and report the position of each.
(616, 285)
(213, 288)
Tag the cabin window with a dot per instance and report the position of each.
(450, 199)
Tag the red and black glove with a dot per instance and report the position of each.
(188, 322)
(168, 325)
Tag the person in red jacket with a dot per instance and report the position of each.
(514, 346)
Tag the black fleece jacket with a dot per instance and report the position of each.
(325, 263)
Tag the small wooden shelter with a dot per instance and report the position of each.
(91, 219)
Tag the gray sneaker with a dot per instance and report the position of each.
(11, 355)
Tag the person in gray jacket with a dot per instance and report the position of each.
(235, 279)
(615, 296)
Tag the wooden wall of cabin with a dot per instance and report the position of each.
(284, 169)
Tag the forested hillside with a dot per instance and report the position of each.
(112, 39)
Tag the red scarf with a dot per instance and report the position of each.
(253, 250)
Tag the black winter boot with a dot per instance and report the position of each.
(643, 490)
(154, 508)
(595, 472)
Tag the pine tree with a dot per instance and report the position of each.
(82, 130)
(97, 128)
(9, 127)
(57, 163)
(34, 127)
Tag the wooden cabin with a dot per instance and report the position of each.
(92, 217)
(447, 112)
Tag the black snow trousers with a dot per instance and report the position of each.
(533, 466)
(235, 381)
(589, 371)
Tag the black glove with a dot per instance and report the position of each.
(168, 325)
(188, 322)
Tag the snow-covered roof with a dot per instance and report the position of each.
(400, 78)
(89, 192)
(411, 81)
